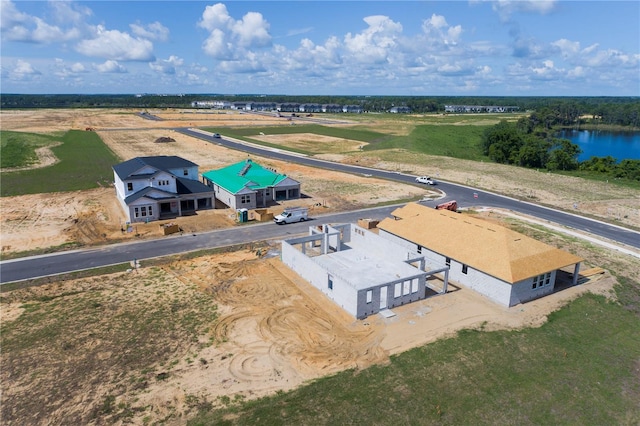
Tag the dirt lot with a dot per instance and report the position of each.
(44, 220)
(159, 342)
(274, 332)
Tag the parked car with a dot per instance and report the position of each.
(216, 135)
(426, 180)
(292, 214)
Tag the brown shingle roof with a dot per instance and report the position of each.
(485, 246)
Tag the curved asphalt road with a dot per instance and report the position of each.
(465, 196)
(58, 263)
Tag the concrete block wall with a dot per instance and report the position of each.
(342, 293)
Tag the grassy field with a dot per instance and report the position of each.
(85, 162)
(18, 149)
(444, 140)
(100, 340)
(575, 369)
(580, 367)
(448, 138)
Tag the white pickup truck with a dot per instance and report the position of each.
(426, 180)
(292, 214)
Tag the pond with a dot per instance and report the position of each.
(598, 143)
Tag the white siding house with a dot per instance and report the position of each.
(506, 266)
(152, 188)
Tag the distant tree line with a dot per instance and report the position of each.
(530, 142)
(550, 111)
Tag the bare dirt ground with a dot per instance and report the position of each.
(273, 331)
(94, 217)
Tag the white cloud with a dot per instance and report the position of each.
(110, 66)
(19, 26)
(24, 68)
(64, 70)
(116, 45)
(439, 33)
(78, 68)
(231, 39)
(68, 12)
(252, 31)
(153, 31)
(166, 66)
(567, 48)
(375, 44)
(506, 8)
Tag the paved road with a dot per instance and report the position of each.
(58, 263)
(465, 196)
(37, 266)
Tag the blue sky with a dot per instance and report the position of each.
(413, 48)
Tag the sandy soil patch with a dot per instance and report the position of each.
(93, 217)
(313, 143)
(274, 332)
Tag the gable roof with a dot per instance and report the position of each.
(244, 174)
(128, 169)
(482, 245)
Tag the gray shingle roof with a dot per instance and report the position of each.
(161, 162)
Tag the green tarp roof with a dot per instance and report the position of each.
(247, 173)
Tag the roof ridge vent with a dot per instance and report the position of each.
(245, 169)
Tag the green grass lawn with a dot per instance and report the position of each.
(443, 140)
(18, 149)
(85, 163)
(574, 370)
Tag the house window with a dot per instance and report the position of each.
(185, 172)
(414, 286)
(136, 212)
(330, 283)
(129, 186)
(245, 199)
(397, 290)
(150, 212)
(369, 296)
(535, 283)
(143, 211)
(419, 249)
(548, 280)
(268, 193)
(447, 260)
(464, 269)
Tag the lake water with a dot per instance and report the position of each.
(596, 143)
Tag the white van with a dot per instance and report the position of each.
(292, 214)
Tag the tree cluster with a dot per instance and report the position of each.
(530, 143)
(625, 169)
(526, 144)
(621, 111)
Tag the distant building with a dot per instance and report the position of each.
(467, 109)
(310, 108)
(332, 108)
(211, 104)
(354, 109)
(400, 110)
(152, 188)
(249, 185)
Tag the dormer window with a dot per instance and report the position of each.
(129, 186)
